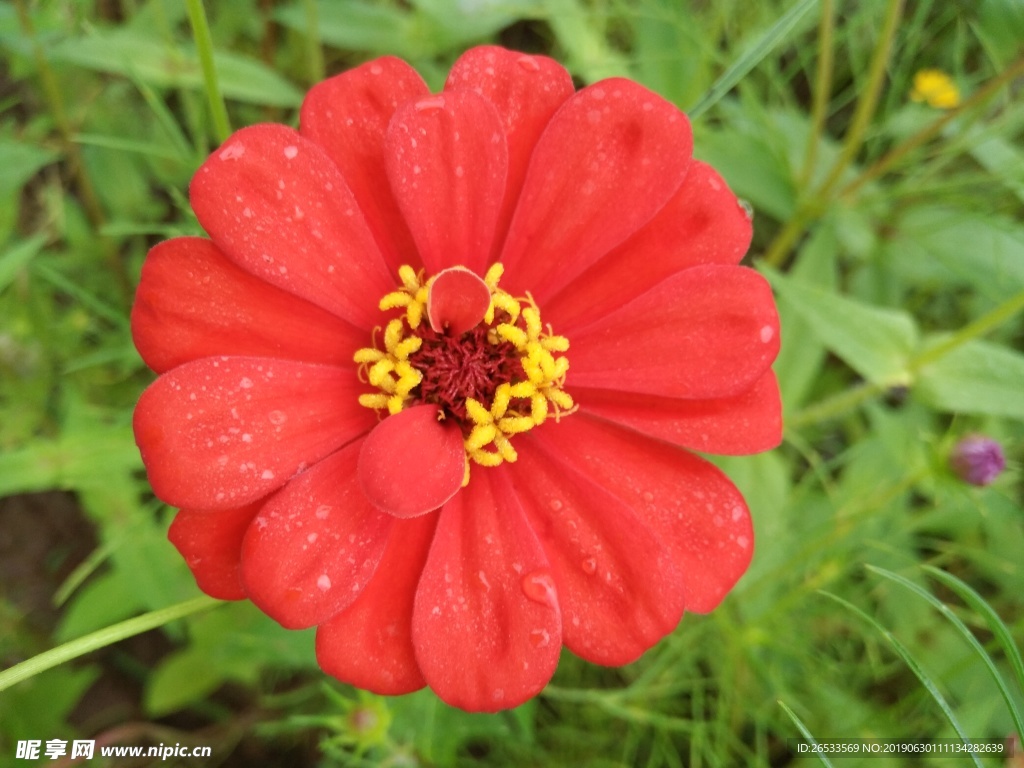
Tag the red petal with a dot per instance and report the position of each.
(705, 332)
(192, 302)
(211, 543)
(411, 463)
(369, 644)
(688, 503)
(703, 223)
(609, 160)
(314, 546)
(457, 301)
(618, 588)
(446, 161)
(348, 116)
(486, 624)
(221, 432)
(526, 91)
(275, 203)
(746, 423)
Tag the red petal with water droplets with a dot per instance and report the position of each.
(618, 588)
(526, 91)
(609, 160)
(278, 206)
(313, 547)
(703, 223)
(749, 422)
(705, 332)
(411, 463)
(193, 302)
(211, 543)
(348, 116)
(457, 301)
(369, 644)
(446, 161)
(688, 503)
(486, 625)
(221, 432)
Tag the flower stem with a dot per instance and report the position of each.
(101, 638)
(204, 45)
(822, 87)
(315, 56)
(813, 205)
(931, 130)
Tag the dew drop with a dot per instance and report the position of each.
(322, 512)
(233, 152)
(648, 496)
(737, 513)
(589, 566)
(376, 69)
(245, 383)
(324, 582)
(277, 417)
(291, 151)
(743, 541)
(539, 586)
(267, 475)
(539, 638)
(748, 209)
(528, 63)
(430, 104)
(556, 505)
(767, 333)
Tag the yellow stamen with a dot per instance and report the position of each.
(516, 406)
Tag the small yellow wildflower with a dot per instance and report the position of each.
(935, 87)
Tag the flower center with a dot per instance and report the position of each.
(481, 355)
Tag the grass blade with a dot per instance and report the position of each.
(999, 629)
(967, 635)
(806, 733)
(915, 667)
(775, 34)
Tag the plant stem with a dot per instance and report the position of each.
(101, 638)
(204, 45)
(822, 88)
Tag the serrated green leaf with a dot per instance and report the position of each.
(976, 377)
(154, 62)
(876, 342)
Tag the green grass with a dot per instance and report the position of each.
(891, 232)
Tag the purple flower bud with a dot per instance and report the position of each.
(977, 459)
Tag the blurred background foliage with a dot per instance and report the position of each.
(891, 230)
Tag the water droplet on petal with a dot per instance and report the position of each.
(528, 63)
(555, 505)
(539, 586)
(539, 638)
(324, 582)
(648, 496)
(430, 103)
(291, 151)
(589, 566)
(767, 332)
(277, 417)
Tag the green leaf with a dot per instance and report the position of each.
(360, 26)
(154, 62)
(976, 377)
(944, 244)
(14, 259)
(180, 679)
(877, 343)
(39, 708)
(20, 162)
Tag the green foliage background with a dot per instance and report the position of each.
(891, 232)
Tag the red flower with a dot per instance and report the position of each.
(433, 383)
